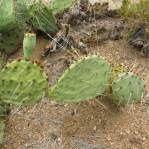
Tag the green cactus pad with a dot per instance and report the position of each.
(7, 15)
(10, 41)
(85, 79)
(127, 88)
(42, 18)
(11, 34)
(22, 83)
(29, 44)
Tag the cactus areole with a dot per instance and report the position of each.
(29, 44)
(85, 79)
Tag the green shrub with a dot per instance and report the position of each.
(139, 10)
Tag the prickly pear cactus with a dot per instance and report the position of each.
(127, 88)
(29, 44)
(10, 40)
(42, 18)
(36, 14)
(10, 32)
(7, 15)
(22, 83)
(85, 79)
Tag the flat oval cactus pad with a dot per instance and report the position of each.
(127, 88)
(85, 79)
(22, 83)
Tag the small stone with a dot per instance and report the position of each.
(95, 128)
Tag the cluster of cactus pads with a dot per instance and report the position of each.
(92, 76)
(21, 15)
(22, 83)
(18, 16)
